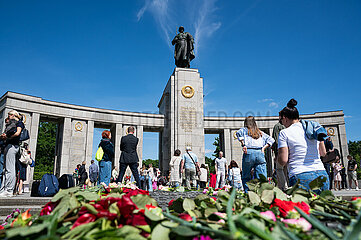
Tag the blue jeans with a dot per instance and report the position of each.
(253, 159)
(1, 167)
(105, 171)
(306, 177)
(150, 184)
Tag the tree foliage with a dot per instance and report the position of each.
(155, 163)
(45, 149)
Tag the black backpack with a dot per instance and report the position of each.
(24, 135)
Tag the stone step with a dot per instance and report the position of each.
(6, 210)
(23, 201)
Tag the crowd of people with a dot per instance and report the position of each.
(302, 150)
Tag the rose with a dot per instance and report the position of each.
(269, 215)
(300, 223)
(185, 217)
(126, 206)
(170, 203)
(287, 208)
(137, 219)
(48, 208)
(83, 219)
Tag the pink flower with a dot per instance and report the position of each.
(215, 193)
(300, 223)
(205, 191)
(220, 215)
(269, 214)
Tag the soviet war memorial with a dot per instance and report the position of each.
(180, 120)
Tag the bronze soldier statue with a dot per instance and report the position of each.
(183, 51)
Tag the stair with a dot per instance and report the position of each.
(23, 203)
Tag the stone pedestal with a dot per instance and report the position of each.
(182, 106)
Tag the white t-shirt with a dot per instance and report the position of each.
(303, 153)
(221, 164)
(203, 177)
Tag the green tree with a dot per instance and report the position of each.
(354, 149)
(217, 144)
(155, 163)
(45, 149)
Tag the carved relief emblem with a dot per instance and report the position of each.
(331, 131)
(78, 126)
(187, 91)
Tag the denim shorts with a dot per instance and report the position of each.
(306, 177)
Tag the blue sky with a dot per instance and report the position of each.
(253, 55)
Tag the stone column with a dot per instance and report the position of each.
(139, 134)
(65, 147)
(343, 143)
(89, 142)
(227, 145)
(118, 136)
(33, 131)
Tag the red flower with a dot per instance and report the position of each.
(1, 227)
(48, 208)
(106, 214)
(185, 216)
(355, 198)
(214, 198)
(170, 203)
(83, 219)
(126, 206)
(150, 206)
(136, 219)
(287, 207)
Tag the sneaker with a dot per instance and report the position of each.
(347, 189)
(6, 194)
(356, 189)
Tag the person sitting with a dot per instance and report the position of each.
(300, 152)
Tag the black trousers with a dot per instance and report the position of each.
(133, 167)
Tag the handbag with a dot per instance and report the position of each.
(198, 169)
(99, 154)
(25, 157)
(331, 156)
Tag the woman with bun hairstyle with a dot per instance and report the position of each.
(254, 143)
(301, 153)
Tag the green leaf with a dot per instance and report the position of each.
(79, 231)
(189, 204)
(265, 186)
(203, 205)
(288, 234)
(185, 231)
(317, 183)
(267, 196)
(318, 225)
(113, 208)
(88, 196)
(177, 205)
(254, 198)
(154, 217)
(141, 200)
(280, 194)
(209, 211)
(354, 231)
(180, 189)
(200, 199)
(299, 198)
(160, 232)
(25, 231)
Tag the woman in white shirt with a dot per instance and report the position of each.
(203, 178)
(174, 165)
(235, 175)
(254, 143)
(301, 154)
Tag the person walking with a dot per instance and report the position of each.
(151, 177)
(189, 161)
(301, 153)
(12, 138)
(254, 143)
(221, 170)
(281, 171)
(174, 164)
(83, 175)
(143, 177)
(351, 172)
(93, 173)
(235, 176)
(129, 156)
(203, 179)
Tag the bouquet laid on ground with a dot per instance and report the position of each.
(125, 212)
